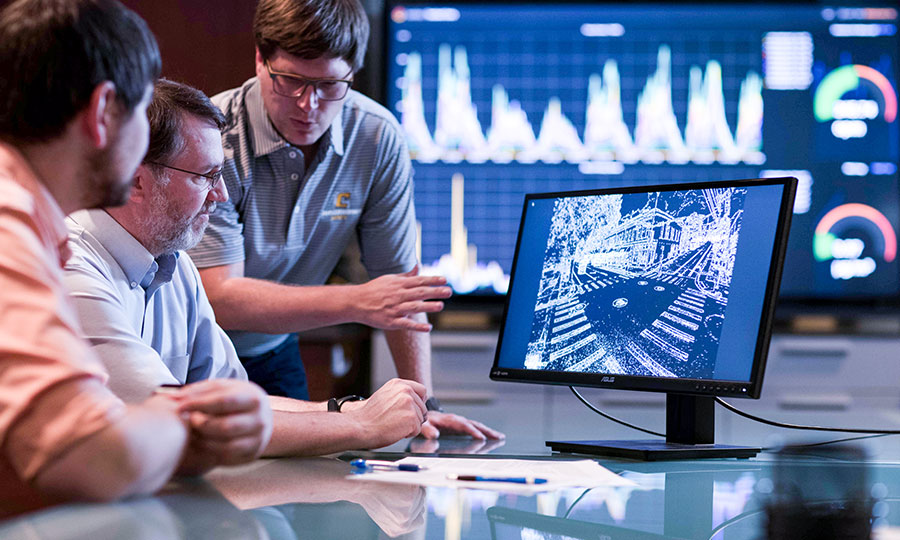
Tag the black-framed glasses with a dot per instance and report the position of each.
(211, 180)
(291, 85)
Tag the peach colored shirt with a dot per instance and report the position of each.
(52, 388)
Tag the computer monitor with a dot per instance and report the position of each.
(667, 288)
(501, 98)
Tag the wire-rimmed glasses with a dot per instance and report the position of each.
(211, 179)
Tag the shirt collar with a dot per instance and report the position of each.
(132, 257)
(266, 138)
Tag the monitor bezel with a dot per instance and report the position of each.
(702, 387)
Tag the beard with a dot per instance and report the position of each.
(168, 231)
(106, 185)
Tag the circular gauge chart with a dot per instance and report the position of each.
(849, 236)
(848, 78)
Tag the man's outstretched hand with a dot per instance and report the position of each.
(391, 302)
(439, 423)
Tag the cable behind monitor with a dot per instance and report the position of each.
(786, 425)
(613, 418)
(739, 412)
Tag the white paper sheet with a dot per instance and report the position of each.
(439, 471)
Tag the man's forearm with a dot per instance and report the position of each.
(394, 411)
(286, 404)
(136, 455)
(389, 302)
(412, 354)
(314, 434)
(256, 305)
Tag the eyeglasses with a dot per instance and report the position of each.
(210, 180)
(290, 85)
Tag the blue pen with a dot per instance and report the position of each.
(513, 479)
(363, 466)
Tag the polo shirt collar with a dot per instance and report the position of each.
(132, 257)
(265, 137)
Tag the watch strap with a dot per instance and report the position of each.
(432, 404)
(334, 404)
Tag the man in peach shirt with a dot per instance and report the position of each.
(77, 76)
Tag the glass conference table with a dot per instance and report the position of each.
(293, 498)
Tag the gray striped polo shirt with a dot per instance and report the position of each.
(290, 221)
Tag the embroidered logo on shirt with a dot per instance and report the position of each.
(342, 208)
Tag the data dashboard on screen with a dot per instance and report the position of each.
(501, 99)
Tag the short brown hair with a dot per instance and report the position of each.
(311, 29)
(54, 53)
(171, 101)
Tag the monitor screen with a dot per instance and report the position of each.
(666, 288)
(500, 99)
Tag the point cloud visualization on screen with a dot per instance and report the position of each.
(645, 283)
(642, 288)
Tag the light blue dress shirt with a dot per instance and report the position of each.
(147, 319)
(289, 220)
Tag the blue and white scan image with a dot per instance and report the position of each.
(636, 284)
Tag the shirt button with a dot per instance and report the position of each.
(294, 176)
(292, 154)
(133, 284)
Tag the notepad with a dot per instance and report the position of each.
(558, 473)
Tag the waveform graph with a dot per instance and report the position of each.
(855, 107)
(656, 130)
(511, 135)
(606, 135)
(421, 144)
(460, 266)
(457, 128)
(643, 126)
(853, 240)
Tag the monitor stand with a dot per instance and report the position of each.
(690, 432)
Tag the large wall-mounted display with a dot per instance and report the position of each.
(498, 100)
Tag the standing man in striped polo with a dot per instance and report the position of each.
(311, 166)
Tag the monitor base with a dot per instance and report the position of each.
(653, 450)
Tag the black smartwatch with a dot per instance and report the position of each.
(432, 404)
(334, 404)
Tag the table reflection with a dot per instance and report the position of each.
(293, 498)
(185, 509)
(453, 445)
(314, 495)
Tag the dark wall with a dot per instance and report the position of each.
(209, 43)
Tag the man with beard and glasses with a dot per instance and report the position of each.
(143, 307)
(77, 79)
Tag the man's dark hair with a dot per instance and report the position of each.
(171, 102)
(311, 29)
(54, 53)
